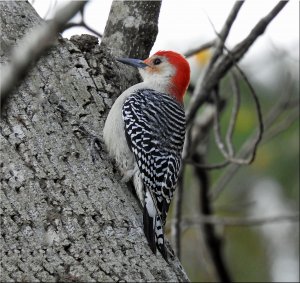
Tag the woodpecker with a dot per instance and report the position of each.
(145, 131)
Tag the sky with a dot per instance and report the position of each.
(187, 24)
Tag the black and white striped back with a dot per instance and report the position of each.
(155, 130)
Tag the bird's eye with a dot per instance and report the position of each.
(156, 61)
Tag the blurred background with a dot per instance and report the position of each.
(254, 251)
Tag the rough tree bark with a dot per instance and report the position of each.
(135, 22)
(65, 215)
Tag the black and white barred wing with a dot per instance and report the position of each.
(155, 130)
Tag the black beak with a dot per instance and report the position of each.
(132, 62)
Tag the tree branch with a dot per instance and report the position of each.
(234, 112)
(132, 28)
(242, 222)
(269, 120)
(222, 36)
(225, 62)
(200, 48)
(83, 24)
(176, 227)
(212, 240)
(259, 135)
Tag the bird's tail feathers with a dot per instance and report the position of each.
(153, 226)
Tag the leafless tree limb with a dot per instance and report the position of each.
(196, 139)
(33, 46)
(195, 148)
(83, 24)
(258, 30)
(222, 36)
(270, 118)
(212, 240)
(225, 62)
(258, 138)
(176, 227)
(234, 112)
(260, 131)
(200, 129)
(283, 125)
(217, 129)
(229, 153)
(200, 48)
(209, 166)
(206, 87)
(235, 221)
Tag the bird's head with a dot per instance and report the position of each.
(165, 71)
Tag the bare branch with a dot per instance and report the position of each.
(283, 126)
(222, 36)
(83, 24)
(217, 128)
(212, 239)
(246, 149)
(258, 138)
(260, 131)
(234, 112)
(208, 166)
(243, 222)
(33, 46)
(176, 224)
(229, 155)
(196, 135)
(224, 63)
(195, 145)
(200, 48)
(218, 51)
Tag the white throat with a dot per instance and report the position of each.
(160, 81)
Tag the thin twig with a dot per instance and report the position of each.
(83, 24)
(256, 141)
(222, 36)
(176, 227)
(31, 48)
(201, 48)
(217, 128)
(208, 166)
(269, 120)
(229, 155)
(260, 131)
(242, 222)
(225, 62)
(234, 113)
(212, 240)
(283, 125)
(200, 129)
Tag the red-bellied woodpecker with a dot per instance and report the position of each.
(145, 131)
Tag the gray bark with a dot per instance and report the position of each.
(134, 22)
(65, 215)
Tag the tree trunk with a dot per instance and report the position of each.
(65, 215)
(133, 22)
